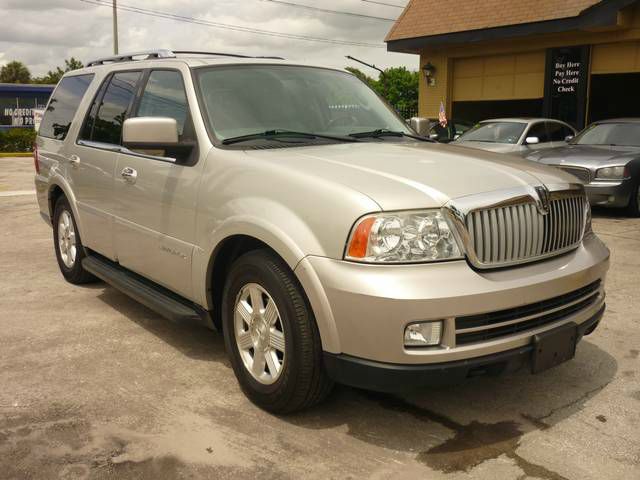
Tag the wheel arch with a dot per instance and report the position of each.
(236, 244)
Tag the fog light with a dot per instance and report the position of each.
(423, 334)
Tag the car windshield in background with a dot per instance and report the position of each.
(623, 134)
(495, 132)
(247, 100)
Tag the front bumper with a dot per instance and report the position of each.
(387, 377)
(610, 193)
(362, 310)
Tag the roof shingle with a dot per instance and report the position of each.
(423, 18)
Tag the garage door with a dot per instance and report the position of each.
(500, 77)
(616, 58)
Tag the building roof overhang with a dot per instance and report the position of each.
(603, 15)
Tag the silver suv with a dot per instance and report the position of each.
(289, 207)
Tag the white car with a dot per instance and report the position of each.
(517, 136)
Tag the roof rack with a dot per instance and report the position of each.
(163, 53)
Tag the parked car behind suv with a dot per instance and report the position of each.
(517, 136)
(606, 158)
(289, 207)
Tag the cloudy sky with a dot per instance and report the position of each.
(41, 33)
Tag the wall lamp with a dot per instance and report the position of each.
(429, 73)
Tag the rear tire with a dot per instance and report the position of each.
(634, 202)
(68, 245)
(275, 349)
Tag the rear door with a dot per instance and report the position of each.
(156, 210)
(95, 156)
(58, 128)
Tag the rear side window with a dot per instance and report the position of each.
(539, 130)
(558, 132)
(104, 123)
(164, 96)
(63, 106)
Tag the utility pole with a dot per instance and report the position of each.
(115, 27)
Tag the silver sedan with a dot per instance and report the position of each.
(517, 136)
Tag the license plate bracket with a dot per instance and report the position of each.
(554, 347)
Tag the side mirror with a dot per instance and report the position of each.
(150, 133)
(158, 137)
(532, 140)
(568, 138)
(420, 125)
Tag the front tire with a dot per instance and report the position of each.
(271, 335)
(68, 245)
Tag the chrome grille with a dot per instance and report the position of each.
(518, 233)
(582, 174)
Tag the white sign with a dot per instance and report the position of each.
(38, 113)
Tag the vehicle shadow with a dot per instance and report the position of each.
(449, 428)
(602, 212)
(454, 428)
(191, 339)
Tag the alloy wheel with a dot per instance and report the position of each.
(67, 239)
(259, 333)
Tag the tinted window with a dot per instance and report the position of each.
(164, 96)
(495, 132)
(539, 130)
(113, 108)
(63, 105)
(85, 134)
(558, 132)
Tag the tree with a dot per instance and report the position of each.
(397, 85)
(15, 72)
(53, 77)
(362, 76)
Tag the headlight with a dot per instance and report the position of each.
(402, 237)
(612, 173)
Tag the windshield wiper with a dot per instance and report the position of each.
(383, 132)
(268, 134)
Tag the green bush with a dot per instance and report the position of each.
(17, 140)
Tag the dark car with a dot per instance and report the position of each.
(430, 127)
(605, 156)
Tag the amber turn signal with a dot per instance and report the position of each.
(360, 238)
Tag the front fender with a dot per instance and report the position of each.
(287, 234)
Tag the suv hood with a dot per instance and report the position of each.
(586, 155)
(412, 174)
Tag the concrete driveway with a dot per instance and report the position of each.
(94, 385)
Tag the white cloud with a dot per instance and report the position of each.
(42, 33)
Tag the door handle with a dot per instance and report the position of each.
(129, 174)
(74, 160)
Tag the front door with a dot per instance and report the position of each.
(155, 197)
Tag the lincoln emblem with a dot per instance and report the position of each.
(544, 199)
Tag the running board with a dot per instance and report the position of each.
(156, 297)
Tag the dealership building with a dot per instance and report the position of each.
(18, 102)
(575, 60)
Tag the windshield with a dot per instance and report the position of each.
(245, 100)
(495, 132)
(624, 134)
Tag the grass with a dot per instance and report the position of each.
(16, 154)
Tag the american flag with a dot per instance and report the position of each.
(442, 116)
